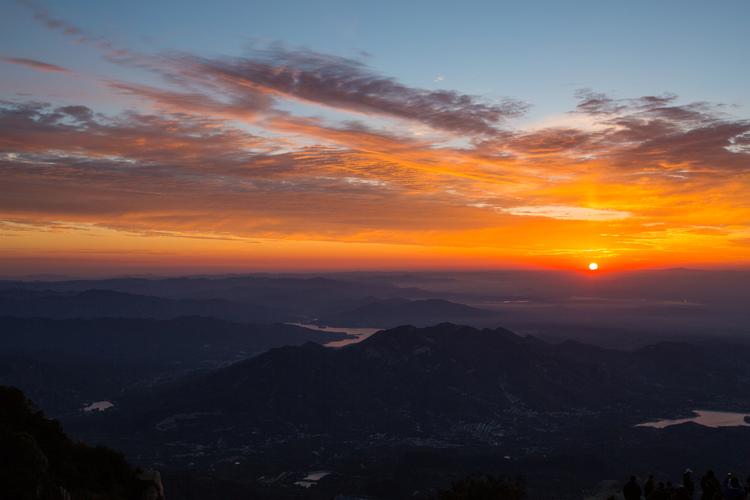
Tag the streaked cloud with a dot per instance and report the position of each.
(350, 85)
(563, 212)
(34, 64)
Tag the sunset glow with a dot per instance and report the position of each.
(279, 158)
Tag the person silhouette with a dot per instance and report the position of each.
(670, 490)
(648, 488)
(681, 493)
(709, 486)
(727, 480)
(632, 490)
(734, 491)
(687, 482)
(660, 493)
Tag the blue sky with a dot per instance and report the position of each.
(538, 52)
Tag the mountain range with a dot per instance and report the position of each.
(97, 303)
(65, 362)
(441, 386)
(389, 313)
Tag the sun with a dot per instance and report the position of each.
(593, 266)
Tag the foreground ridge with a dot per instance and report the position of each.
(39, 461)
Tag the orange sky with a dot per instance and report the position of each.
(308, 161)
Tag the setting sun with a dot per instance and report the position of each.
(593, 266)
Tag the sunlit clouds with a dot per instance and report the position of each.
(568, 213)
(289, 158)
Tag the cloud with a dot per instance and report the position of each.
(34, 64)
(174, 173)
(145, 139)
(233, 86)
(655, 132)
(43, 15)
(563, 212)
(246, 107)
(348, 84)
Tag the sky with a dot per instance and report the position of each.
(248, 136)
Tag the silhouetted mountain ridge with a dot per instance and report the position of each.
(388, 313)
(61, 363)
(310, 296)
(437, 383)
(101, 303)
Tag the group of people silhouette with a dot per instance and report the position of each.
(710, 488)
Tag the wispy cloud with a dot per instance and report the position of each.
(350, 85)
(34, 64)
(563, 212)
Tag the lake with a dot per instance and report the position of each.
(312, 478)
(704, 417)
(98, 406)
(359, 334)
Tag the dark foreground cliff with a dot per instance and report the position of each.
(38, 461)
